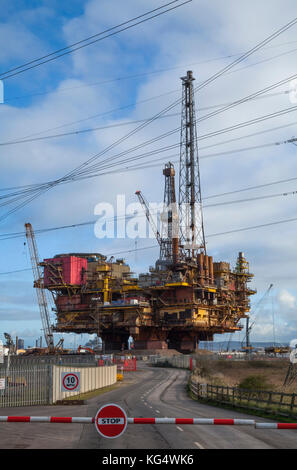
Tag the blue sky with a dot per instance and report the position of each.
(62, 96)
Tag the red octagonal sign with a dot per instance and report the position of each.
(111, 421)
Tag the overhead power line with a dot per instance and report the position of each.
(154, 72)
(257, 198)
(31, 190)
(261, 197)
(164, 111)
(119, 124)
(253, 227)
(30, 187)
(70, 49)
(250, 188)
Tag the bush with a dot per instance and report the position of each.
(204, 367)
(255, 382)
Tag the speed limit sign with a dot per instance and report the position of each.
(70, 381)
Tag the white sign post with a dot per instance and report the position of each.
(70, 381)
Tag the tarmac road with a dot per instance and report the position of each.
(149, 392)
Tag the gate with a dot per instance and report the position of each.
(24, 386)
(125, 364)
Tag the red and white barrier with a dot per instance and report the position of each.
(199, 421)
(215, 421)
(276, 425)
(45, 419)
(89, 420)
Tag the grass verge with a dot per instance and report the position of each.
(249, 411)
(93, 393)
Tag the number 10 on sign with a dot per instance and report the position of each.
(70, 381)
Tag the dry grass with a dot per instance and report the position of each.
(231, 373)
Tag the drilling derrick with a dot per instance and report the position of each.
(169, 250)
(190, 203)
(168, 239)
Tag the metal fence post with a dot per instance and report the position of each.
(292, 403)
(50, 383)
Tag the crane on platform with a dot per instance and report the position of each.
(41, 292)
(249, 326)
(151, 221)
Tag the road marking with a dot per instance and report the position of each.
(157, 411)
(180, 429)
(198, 445)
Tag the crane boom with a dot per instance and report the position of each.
(250, 326)
(41, 293)
(144, 203)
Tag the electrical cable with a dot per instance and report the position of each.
(110, 126)
(20, 194)
(142, 74)
(117, 142)
(157, 246)
(49, 58)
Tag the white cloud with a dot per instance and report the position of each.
(286, 299)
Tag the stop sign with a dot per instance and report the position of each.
(111, 421)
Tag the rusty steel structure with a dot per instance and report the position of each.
(185, 298)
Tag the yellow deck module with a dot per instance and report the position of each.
(177, 284)
(106, 290)
(103, 268)
(202, 312)
(133, 287)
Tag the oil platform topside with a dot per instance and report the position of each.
(184, 299)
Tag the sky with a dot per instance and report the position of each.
(132, 76)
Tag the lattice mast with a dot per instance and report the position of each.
(192, 239)
(38, 283)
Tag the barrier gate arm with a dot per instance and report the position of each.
(195, 421)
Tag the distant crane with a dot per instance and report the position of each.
(41, 292)
(249, 326)
(229, 341)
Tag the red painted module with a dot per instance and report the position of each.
(73, 270)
